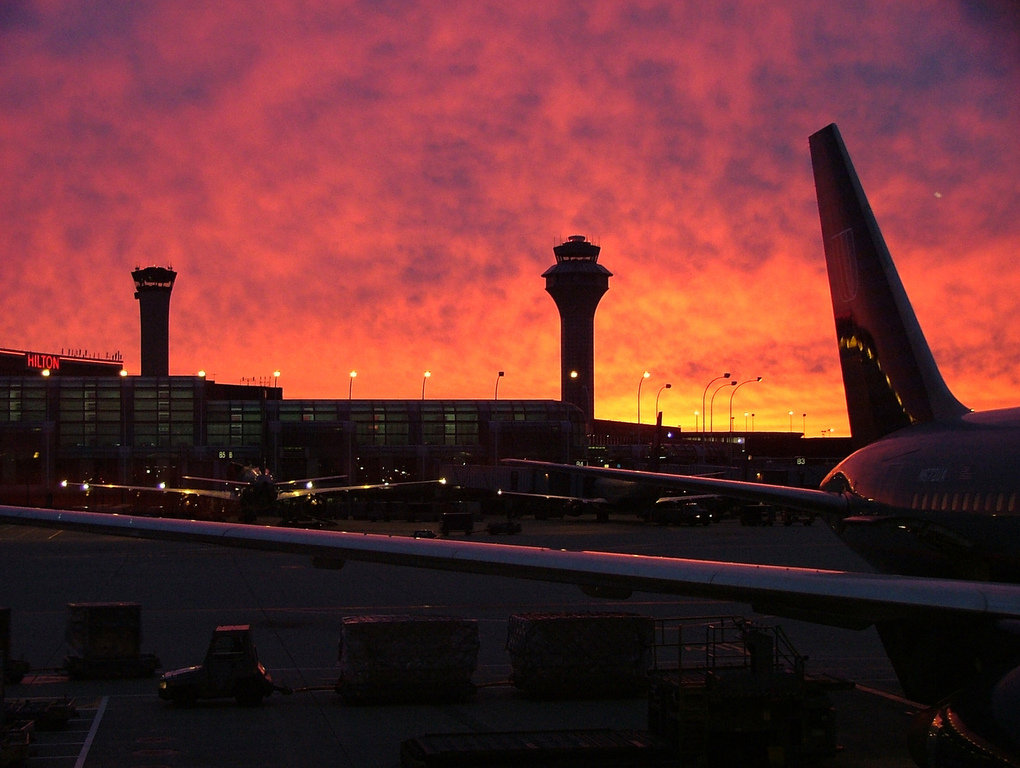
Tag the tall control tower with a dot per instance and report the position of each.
(152, 289)
(576, 282)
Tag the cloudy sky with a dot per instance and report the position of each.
(379, 185)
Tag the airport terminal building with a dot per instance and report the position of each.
(141, 430)
(79, 417)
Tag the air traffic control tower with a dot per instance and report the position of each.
(576, 282)
(152, 289)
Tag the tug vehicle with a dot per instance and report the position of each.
(231, 670)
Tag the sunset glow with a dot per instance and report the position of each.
(377, 187)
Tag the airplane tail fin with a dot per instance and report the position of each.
(889, 374)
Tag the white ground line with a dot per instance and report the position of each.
(87, 744)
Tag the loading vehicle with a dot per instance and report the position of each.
(231, 670)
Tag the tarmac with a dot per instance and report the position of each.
(186, 590)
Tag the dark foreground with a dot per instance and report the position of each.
(186, 590)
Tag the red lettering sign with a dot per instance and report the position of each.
(42, 362)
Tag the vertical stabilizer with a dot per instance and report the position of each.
(889, 374)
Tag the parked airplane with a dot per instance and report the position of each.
(256, 491)
(933, 492)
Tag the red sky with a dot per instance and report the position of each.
(378, 186)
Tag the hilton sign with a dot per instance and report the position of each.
(42, 362)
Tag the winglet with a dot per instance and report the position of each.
(889, 374)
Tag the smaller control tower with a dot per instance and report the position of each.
(577, 282)
(152, 289)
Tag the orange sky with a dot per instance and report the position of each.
(378, 186)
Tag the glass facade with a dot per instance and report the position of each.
(23, 400)
(125, 429)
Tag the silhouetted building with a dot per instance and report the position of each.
(577, 282)
(138, 430)
(152, 289)
(71, 362)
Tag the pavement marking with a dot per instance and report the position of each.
(87, 744)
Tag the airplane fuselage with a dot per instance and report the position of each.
(937, 499)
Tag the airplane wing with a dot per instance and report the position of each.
(835, 597)
(231, 489)
(805, 499)
(580, 500)
(313, 490)
(207, 492)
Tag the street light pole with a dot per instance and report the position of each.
(664, 386)
(495, 395)
(705, 393)
(641, 381)
(711, 403)
(738, 386)
(427, 375)
(350, 386)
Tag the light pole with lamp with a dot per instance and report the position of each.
(425, 377)
(732, 393)
(641, 381)
(711, 403)
(705, 393)
(350, 386)
(664, 386)
(588, 418)
(495, 422)
(276, 379)
(791, 421)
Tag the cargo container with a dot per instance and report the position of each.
(587, 655)
(105, 641)
(583, 747)
(387, 659)
(12, 669)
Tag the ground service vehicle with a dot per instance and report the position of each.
(231, 669)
